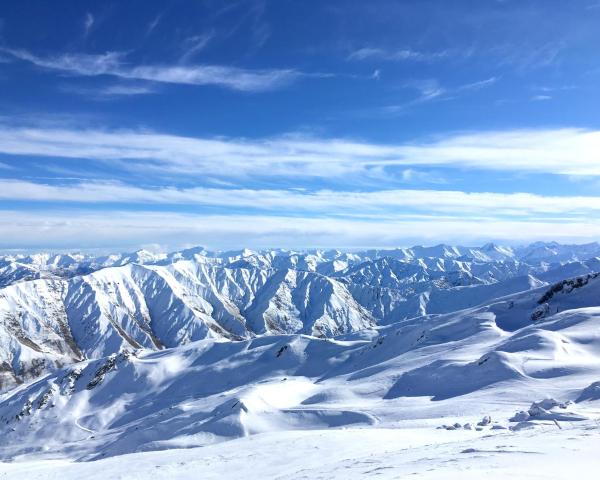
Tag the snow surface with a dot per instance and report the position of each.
(386, 453)
(193, 368)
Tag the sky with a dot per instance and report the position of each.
(298, 124)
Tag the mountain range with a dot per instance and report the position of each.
(61, 308)
(105, 356)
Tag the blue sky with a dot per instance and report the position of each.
(298, 123)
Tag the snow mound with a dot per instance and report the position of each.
(548, 409)
(442, 379)
(590, 393)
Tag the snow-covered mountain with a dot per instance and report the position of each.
(496, 358)
(45, 323)
(20, 267)
(148, 352)
(84, 307)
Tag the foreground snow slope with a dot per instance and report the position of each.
(421, 373)
(546, 452)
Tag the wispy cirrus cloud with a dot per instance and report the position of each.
(114, 64)
(319, 202)
(431, 90)
(428, 89)
(520, 56)
(567, 151)
(541, 98)
(526, 57)
(126, 90)
(113, 91)
(153, 24)
(195, 44)
(88, 23)
(398, 55)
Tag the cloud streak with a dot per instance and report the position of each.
(404, 54)
(106, 229)
(320, 202)
(88, 23)
(567, 151)
(109, 92)
(195, 44)
(113, 64)
(431, 90)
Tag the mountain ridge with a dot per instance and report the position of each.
(210, 390)
(156, 301)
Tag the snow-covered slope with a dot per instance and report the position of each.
(46, 323)
(456, 356)
(423, 372)
(384, 453)
(83, 306)
(34, 331)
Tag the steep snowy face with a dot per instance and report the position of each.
(47, 323)
(14, 272)
(34, 331)
(416, 277)
(294, 301)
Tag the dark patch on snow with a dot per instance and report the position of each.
(567, 286)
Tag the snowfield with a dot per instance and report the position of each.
(543, 453)
(452, 365)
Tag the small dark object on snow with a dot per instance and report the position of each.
(281, 350)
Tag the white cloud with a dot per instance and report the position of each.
(88, 23)
(123, 89)
(109, 229)
(541, 98)
(153, 24)
(112, 63)
(404, 54)
(431, 90)
(477, 85)
(195, 44)
(110, 91)
(567, 151)
(317, 202)
(529, 57)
